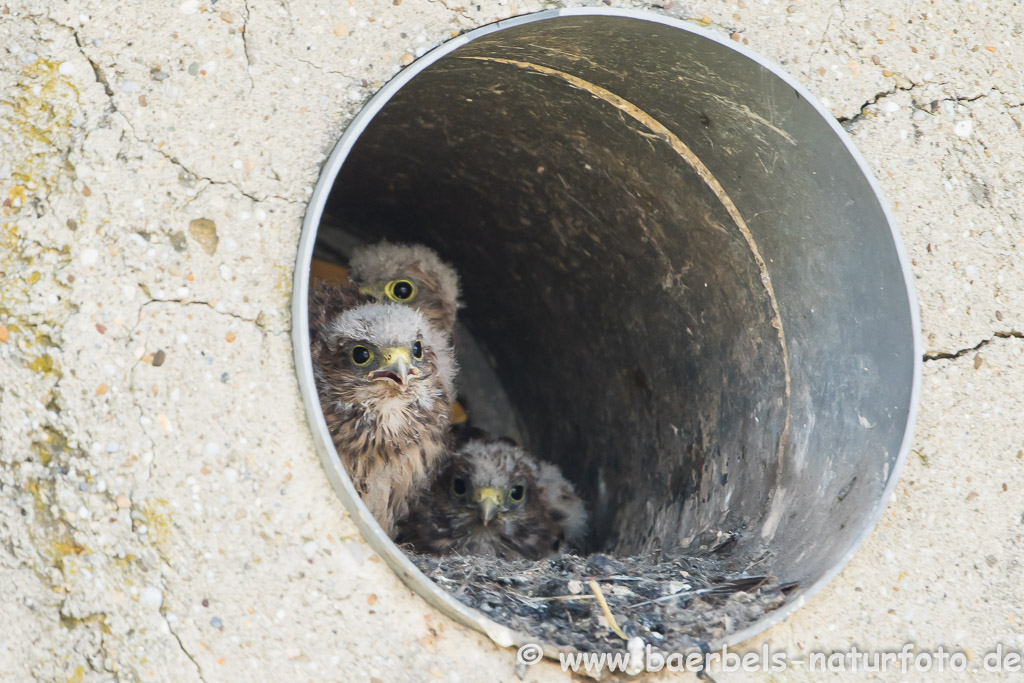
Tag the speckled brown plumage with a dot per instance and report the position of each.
(326, 302)
(388, 434)
(449, 517)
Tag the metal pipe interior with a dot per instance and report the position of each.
(687, 287)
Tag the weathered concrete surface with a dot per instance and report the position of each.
(163, 514)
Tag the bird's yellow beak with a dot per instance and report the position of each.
(489, 501)
(396, 366)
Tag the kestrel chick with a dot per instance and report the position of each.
(384, 377)
(493, 499)
(408, 274)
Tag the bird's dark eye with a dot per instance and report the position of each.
(417, 350)
(400, 290)
(361, 355)
(459, 487)
(516, 493)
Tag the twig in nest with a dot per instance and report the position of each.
(566, 597)
(673, 596)
(604, 608)
(533, 598)
(520, 596)
(619, 577)
(727, 588)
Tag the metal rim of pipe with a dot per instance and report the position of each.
(378, 540)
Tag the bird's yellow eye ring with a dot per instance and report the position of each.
(417, 350)
(459, 487)
(517, 493)
(361, 355)
(400, 290)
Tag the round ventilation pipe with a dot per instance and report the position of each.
(682, 284)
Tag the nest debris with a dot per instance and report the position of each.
(674, 605)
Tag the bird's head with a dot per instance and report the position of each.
(380, 351)
(492, 484)
(412, 275)
(492, 498)
(395, 366)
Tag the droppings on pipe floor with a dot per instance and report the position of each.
(675, 605)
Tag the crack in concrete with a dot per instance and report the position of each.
(245, 46)
(930, 108)
(323, 69)
(143, 539)
(181, 645)
(961, 100)
(460, 12)
(848, 121)
(152, 446)
(164, 560)
(824, 34)
(953, 355)
(197, 176)
(102, 79)
(198, 302)
(130, 339)
(98, 652)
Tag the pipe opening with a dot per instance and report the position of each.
(680, 286)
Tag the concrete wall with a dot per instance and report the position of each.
(163, 514)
